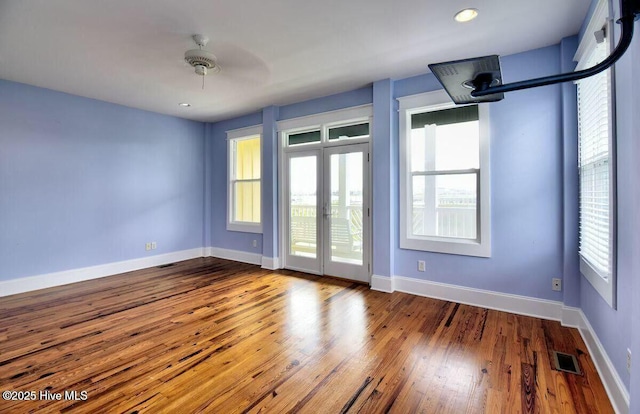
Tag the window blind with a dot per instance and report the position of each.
(594, 103)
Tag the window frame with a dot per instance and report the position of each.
(481, 247)
(323, 122)
(234, 136)
(605, 285)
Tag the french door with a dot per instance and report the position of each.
(327, 226)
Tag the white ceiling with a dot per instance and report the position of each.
(272, 52)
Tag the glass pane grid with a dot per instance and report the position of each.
(445, 206)
(247, 201)
(444, 165)
(245, 183)
(349, 131)
(306, 137)
(303, 198)
(346, 215)
(247, 159)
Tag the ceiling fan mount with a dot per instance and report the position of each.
(201, 60)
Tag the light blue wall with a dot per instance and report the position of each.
(526, 187)
(571, 266)
(633, 272)
(384, 177)
(617, 327)
(270, 182)
(84, 182)
(334, 102)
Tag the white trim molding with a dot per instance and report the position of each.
(340, 115)
(233, 137)
(382, 283)
(244, 132)
(522, 305)
(65, 277)
(597, 20)
(481, 245)
(235, 255)
(270, 263)
(616, 390)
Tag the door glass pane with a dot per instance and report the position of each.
(350, 131)
(445, 205)
(345, 230)
(304, 138)
(303, 201)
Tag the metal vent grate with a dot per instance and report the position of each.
(566, 362)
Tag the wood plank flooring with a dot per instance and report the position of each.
(209, 335)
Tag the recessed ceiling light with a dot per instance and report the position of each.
(184, 104)
(466, 15)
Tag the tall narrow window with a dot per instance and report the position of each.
(444, 176)
(596, 158)
(244, 211)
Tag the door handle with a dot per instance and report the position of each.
(326, 210)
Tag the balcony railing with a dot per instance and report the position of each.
(456, 222)
(453, 220)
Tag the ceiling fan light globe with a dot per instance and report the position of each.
(201, 70)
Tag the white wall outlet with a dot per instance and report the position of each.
(153, 245)
(147, 246)
(628, 360)
(255, 243)
(421, 265)
(556, 284)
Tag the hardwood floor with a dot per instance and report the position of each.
(209, 335)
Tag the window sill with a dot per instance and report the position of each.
(245, 227)
(439, 245)
(605, 287)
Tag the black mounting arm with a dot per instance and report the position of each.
(630, 11)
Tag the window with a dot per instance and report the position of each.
(596, 158)
(444, 176)
(244, 212)
(351, 125)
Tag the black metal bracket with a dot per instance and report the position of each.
(630, 11)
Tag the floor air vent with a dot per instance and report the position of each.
(165, 265)
(566, 363)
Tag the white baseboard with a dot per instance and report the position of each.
(522, 305)
(270, 263)
(382, 283)
(618, 394)
(27, 284)
(236, 255)
(571, 317)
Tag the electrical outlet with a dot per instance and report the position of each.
(628, 360)
(421, 265)
(153, 245)
(147, 246)
(556, 284)
(255, 243)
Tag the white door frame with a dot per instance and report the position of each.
(355, 115)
